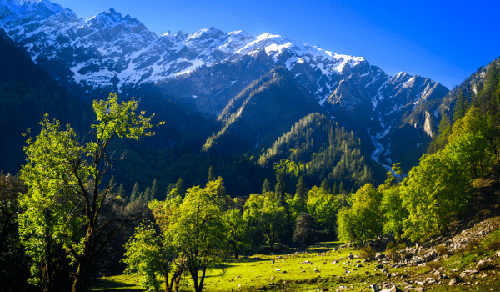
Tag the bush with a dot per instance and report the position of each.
(494, 245)
(442, 249)
(434, 265)
(471, 246)
(367, 253)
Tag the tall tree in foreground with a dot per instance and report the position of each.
(198, 231)
(63, 207)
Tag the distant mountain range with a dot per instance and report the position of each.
(251, 89)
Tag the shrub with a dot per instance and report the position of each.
(434, 265)
(367, 253)
(442, 249)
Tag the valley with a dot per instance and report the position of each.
(225, 161)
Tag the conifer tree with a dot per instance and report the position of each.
(154, 190)
(266, 186)
(211, 175)
(180, 188)
(324, 185)
(461, 106)
(280, 188)
(135, 193)
(121, 192)
(301, 189)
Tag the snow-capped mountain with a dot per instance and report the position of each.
(208, 68)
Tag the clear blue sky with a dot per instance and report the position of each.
(443, 40)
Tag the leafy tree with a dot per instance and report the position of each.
(434, 191)
(238, 240)
(253, 216)
(199, 232)
(63, 205)
(364, 220)
(266, 218)
(392, 204)
(147, 256)
(323, 206)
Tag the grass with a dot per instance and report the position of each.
(295, 272)
(314, 270)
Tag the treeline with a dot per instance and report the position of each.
(198, 229)
(438, 189)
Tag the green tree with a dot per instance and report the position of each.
(280, 187)
(266, 219)
(62, 208)
(135, 193)
(325, 185)
(436, 190)
(151, 251)
(154, 190)
(305, 232)
(461, 107)
(253, 215)
(147, 257)
(392, 204)
(211, 175)
(121, 192)
(180, 187)
(199, 232)
(299, 203)
(266, 186)
(364, 220)
(444, 131)
(323, 206)
(238, 240)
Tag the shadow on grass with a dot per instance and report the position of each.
(110, 285)
(323, 247)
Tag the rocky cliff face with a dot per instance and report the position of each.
(207, 69)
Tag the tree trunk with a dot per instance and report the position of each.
(165, 279)
(194, 275)
(176, 278)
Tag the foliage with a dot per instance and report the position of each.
(323, 207)
(199, 232)
(305, 232)
(238, 235)
(63, 205)
(363, 220)
(146, 256)
(317, 148)
(266, 216)
(392, 204)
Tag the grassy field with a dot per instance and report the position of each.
(314, 270)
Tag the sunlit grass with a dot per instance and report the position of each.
(302, 272)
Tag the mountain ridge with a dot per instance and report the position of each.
(206, 70)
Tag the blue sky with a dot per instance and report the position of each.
(443, 40)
